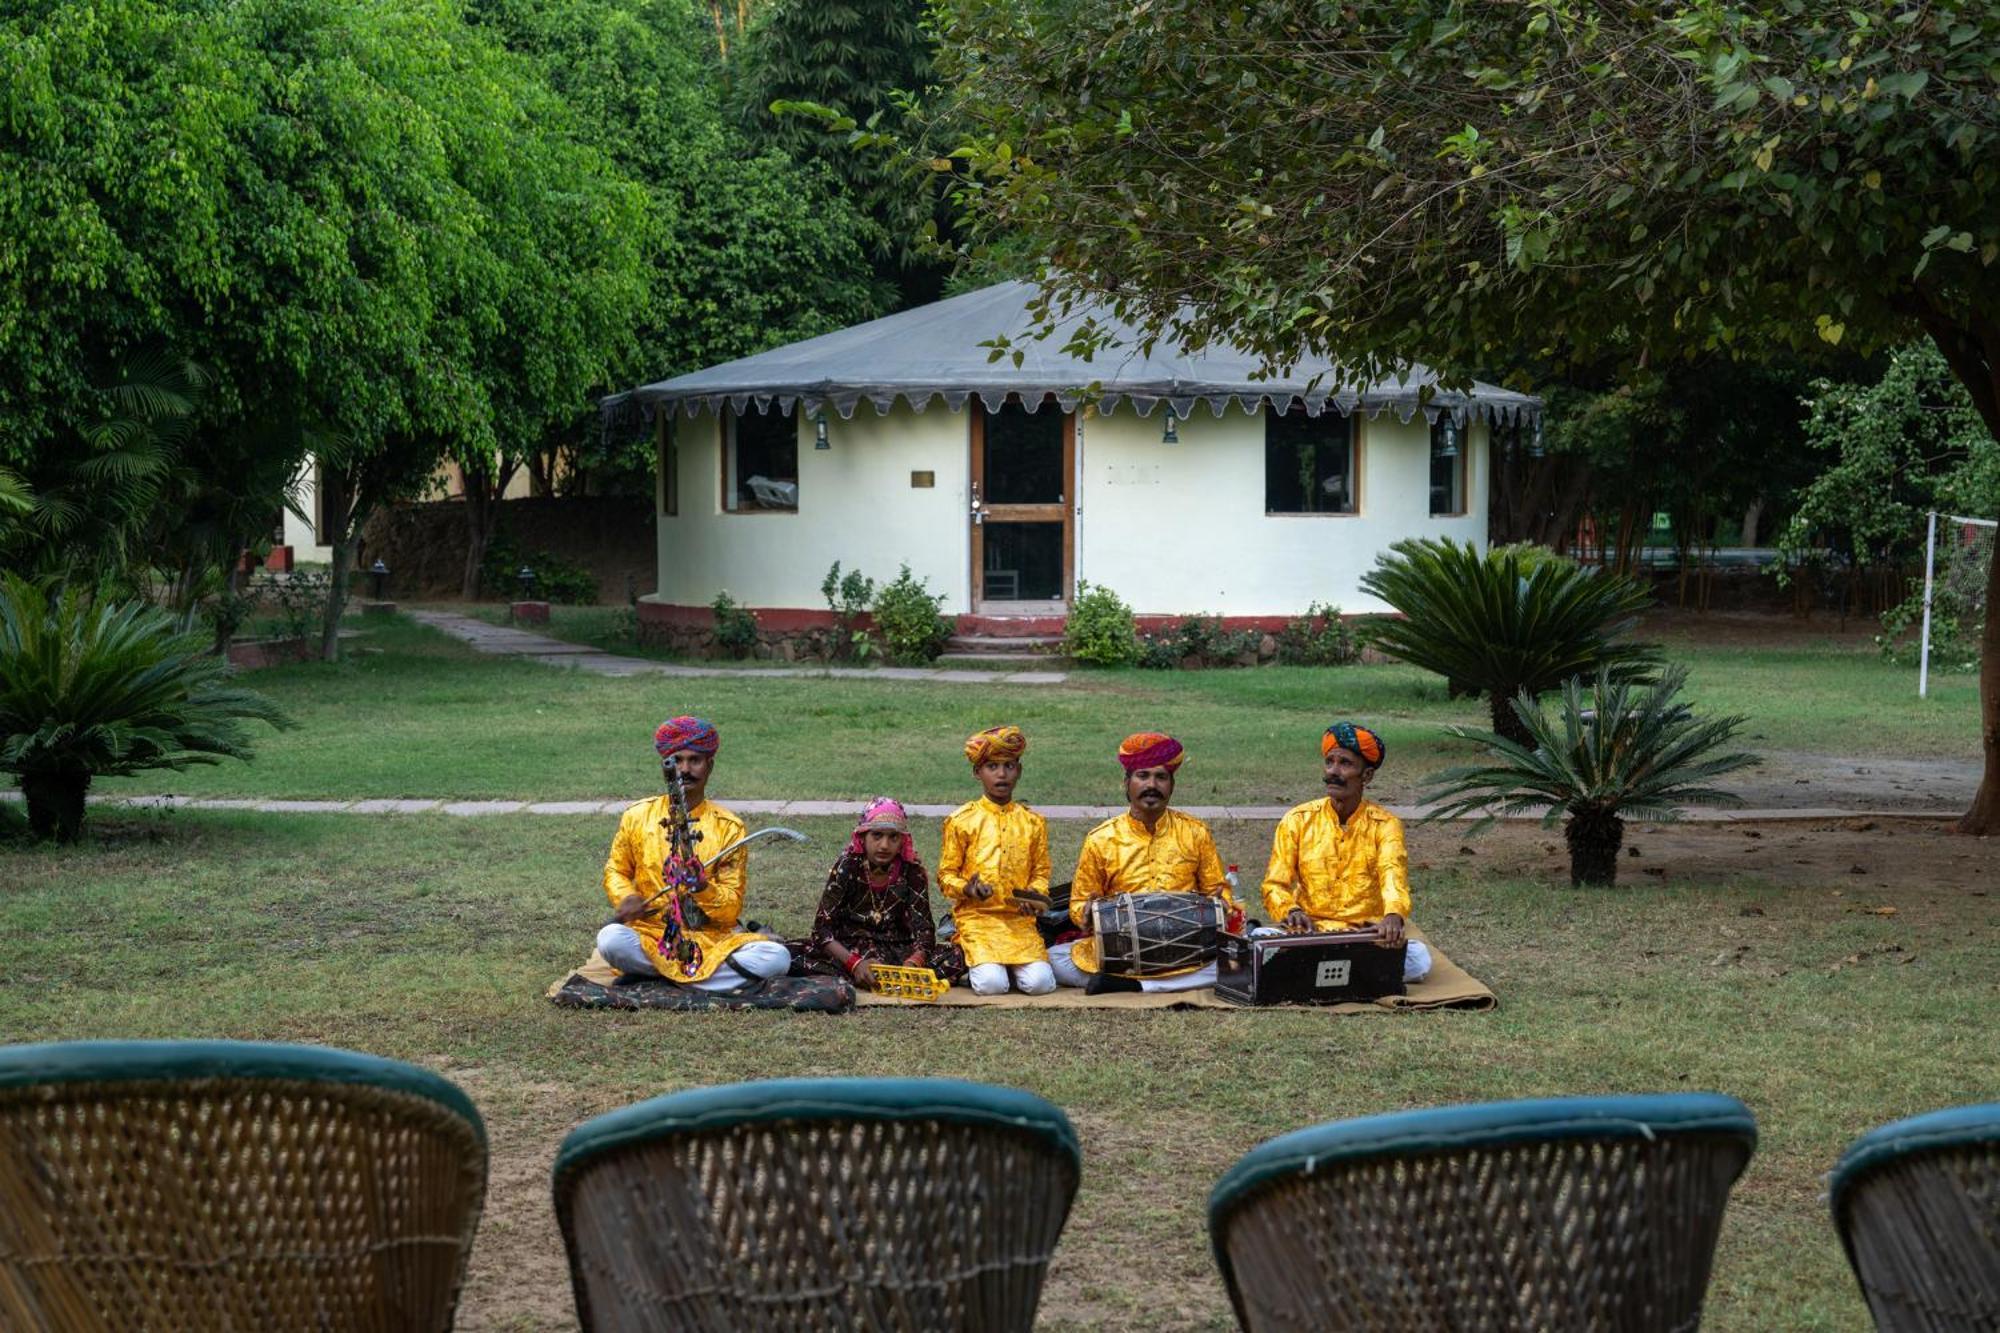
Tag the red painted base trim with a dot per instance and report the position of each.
(787, 619)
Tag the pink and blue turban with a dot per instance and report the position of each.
(686, 733)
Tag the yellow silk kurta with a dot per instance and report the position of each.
(1121, 856)
(637, 853)
(1341, 877)
(1007, 846)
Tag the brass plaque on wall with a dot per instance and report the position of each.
(923, 480)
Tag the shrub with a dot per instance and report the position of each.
(847, 596)
(556, 580)
(735, 628)
(1625, 750)
(1196, 640)
(910, 618)
(1100, 629)
(1505, 622)
(297, 601)
(1318, 638)
(91, 688)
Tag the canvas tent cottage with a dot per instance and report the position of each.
(1182, 481)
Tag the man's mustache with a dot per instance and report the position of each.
(1144, 792)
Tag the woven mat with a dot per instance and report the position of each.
(1448, 986)
(595, 985)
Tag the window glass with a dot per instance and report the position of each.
(1309, 463)
(670, 467)
(1024, 454)
(761, 462)
(1447, 469)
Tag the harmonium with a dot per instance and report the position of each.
(1308, 969)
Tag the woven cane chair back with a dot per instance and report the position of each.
(1917, 1204)
(231, 1185)
(1596, 1213)
(806, 1204)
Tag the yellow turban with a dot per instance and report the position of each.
(996, 743)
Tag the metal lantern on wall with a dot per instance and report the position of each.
(1447, 436)
(819, 430)
(1170, 433)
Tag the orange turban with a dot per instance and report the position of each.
(1353, 736)
(1000, 743)
(1150, 749)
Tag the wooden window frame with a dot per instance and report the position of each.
(1358, 456)
(723, 420)
(1464, 471)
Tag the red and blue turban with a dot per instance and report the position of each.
(686, 733)
(1357, 738)
(1150, 749)
(996, 743)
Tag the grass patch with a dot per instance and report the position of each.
(431, 939)
(412, 712)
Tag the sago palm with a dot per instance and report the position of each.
(1621, 751)
(1505, 622)
(92, 688)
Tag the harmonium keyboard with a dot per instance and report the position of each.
(1308, 969)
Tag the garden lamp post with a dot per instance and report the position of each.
(526, 577)
(378, 575)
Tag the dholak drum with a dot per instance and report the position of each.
(1148, 934)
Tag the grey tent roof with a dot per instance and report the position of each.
(935, 351)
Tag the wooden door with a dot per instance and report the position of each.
(1023, 469)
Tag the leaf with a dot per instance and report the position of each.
(1830, 330)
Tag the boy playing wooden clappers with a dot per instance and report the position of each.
(994, 868)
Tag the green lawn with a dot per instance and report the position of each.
(414, 713)
(430, 939)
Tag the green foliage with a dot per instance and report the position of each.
(1623, 751)
(911, 619)
(93, 688)
(735, 628)
(1901, 446)
(848, 597)
(1318, 638)
(862, 61)
(1198, 641)
(1100, 630)
(1504, 623)
(298, 601)
(746, 249)
(556, 580)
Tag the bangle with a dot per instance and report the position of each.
(853, 961)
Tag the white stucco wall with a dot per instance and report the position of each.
(1180, 529)
(856, 505)
(1173, 529)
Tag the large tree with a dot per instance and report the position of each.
(1468, 183)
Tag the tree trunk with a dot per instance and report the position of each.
(479, 507)
(1984, 816)
(1594, 840)
(337, 505)
(1971, 347)
(55, 804)
(1505, 722)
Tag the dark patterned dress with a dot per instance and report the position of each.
(884, 925)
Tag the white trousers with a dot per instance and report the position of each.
(1416, 955)
(996, 978)
(1069, 974)
(623, 949)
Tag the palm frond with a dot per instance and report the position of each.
(1621, 749)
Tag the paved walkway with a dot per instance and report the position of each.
(508, 641)
(614, 805)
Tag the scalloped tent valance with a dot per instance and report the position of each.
(943, 350)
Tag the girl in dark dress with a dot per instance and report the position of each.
(876, 907)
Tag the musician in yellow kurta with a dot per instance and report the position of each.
(1338, 863)
(725, 957)
(994, 869)
(1151, 848)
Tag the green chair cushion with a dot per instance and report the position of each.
(181, 1061)
(1486, 1124)
(1958, 1127)
(764, 1101)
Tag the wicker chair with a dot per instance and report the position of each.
(231, 1185)
(1917, 1204)
(882, 1204)
(1595, 1213)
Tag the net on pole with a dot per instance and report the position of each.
(1958, 553)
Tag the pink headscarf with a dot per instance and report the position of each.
(884, 813)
